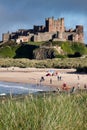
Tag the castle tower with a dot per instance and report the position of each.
(49, 22)
(5, 37)
(80, 32)
(79, 29)
(54, 25)
(62, 27)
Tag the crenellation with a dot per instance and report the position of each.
(6, 37)
(54, 29)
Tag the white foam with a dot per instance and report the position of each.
(2, 94)
(20, 87)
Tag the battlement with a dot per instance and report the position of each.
(54, 25)
(54, 29)
(79, 29)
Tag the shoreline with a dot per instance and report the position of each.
(33, 76)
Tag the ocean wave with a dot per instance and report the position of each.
(21, 88)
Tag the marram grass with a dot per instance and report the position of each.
(48, 63)
(46, 112)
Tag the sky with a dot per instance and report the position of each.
(23, 14)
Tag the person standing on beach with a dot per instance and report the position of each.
(85, 86)
(50, 81)
(59, 78)
(78, 77)
(78, 85)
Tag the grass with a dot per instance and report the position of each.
(8, 51)
(49, 63)
(45, 112)
(35, 43)
(26, 50)
(71, 48)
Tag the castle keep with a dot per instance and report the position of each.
(52, 30)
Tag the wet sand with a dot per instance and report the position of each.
(33, 76)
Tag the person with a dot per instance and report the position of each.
(50, 81)
(58, 78)
(78, 85)
(64, 84)
(42, 79)
(78, 77)
(85, 86)
(72, 89)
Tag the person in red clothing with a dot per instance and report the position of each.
(65, 87)
(64, 84)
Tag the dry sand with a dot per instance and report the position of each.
(33, 76)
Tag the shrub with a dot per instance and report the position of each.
(82, 69)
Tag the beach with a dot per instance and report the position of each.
(34, 75)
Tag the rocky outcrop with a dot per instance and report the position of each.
(43, 53)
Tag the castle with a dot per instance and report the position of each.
(53, 30)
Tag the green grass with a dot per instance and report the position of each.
(8, 51)
(71, 48)
(25, 50)
(35, 43)
(49, 63)
(45, 112)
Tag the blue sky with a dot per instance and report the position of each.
(23, 14)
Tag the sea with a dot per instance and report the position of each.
(7, 88)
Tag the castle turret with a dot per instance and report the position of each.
(79, 29)
(54, 25)
(80, 32)
(5, 37)
(62, 27)
(49, 22)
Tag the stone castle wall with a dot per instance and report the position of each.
(43, 36)
(5, 37)
(53, 30)
(54, 25)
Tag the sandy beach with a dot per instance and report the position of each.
(33, 76)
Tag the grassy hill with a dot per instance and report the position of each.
(44, 49)
(12, 50)
(71, 48)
